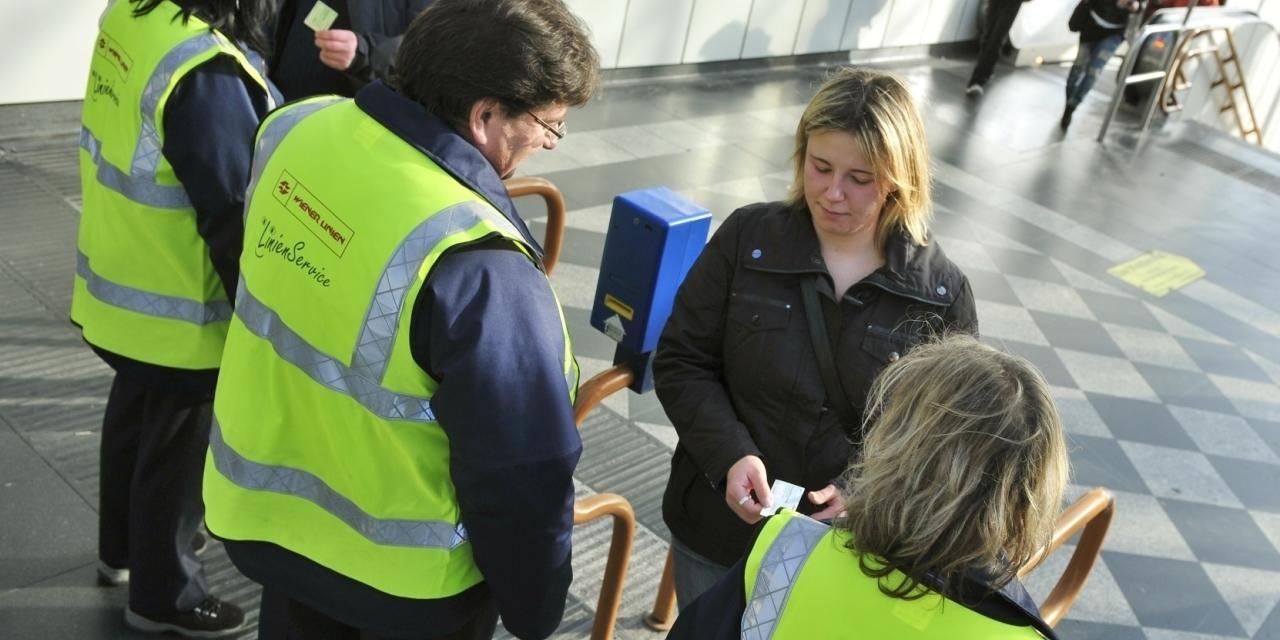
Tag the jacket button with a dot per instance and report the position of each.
(755, 318)
(942, 291)
(893, 356)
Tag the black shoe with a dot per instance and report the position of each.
(212, 618)
(1066, 117)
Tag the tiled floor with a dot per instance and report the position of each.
(1173, 403)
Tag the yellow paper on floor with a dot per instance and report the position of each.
(1157, 272)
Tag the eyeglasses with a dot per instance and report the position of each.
(559, 131)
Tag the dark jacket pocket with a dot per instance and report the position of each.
(758, 313)
(884, 345)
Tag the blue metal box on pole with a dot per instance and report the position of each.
(654, 236)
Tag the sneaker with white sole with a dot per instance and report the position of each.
(974, 89)
(212, 618)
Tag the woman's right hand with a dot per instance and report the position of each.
(745, 476)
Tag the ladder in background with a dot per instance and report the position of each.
(1230, 76)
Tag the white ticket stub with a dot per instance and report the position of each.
(321, 17)
(785, 496)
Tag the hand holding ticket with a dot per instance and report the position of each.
(785, 496)
(321, 17)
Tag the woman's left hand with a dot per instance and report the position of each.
(828, 498)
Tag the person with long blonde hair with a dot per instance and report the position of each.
(960, 484)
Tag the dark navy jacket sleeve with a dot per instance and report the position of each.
(486, 326)
(209, 125)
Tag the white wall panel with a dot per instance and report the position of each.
(46, 47)
(772, 28)
(967, 29)
(654, 33)
(944, 21)
(604, 18)
(821, 26)
(1251, 5)
(866, 25)
(716, 30)
(907, 22)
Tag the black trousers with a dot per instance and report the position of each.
(151, 467)
(282, 618)
(1000, 17)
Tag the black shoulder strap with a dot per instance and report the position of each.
(826, 359)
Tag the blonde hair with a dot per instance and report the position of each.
(963, 468)
(877, 109)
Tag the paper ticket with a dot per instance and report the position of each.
(785, 496)
(321, 17)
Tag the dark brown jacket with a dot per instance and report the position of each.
(735, 368)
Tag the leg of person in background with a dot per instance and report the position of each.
(1000, 17)
(694, 574)
(117, 457)
(1090, 61)
(167, 589)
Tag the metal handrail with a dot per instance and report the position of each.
(545, 189)
(1202, 18)
(590, 394)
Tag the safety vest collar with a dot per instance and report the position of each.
(450, 151)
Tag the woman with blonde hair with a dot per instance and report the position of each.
(789, 313)
(960, 485)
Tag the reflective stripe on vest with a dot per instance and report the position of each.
(426, 534)
(139, 185)
(151, 304)
(777, 575)
(140, 189)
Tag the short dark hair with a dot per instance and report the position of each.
(524, 53)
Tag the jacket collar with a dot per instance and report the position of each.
(790, 245)
(444, 146)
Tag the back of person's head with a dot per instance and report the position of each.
(524, 53)
(244, 21)
(877, 109)
(963, 468)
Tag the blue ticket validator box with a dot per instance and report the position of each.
(654, 237)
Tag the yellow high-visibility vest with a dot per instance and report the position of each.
(144, 286)
(802, 582)
(324, 441)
